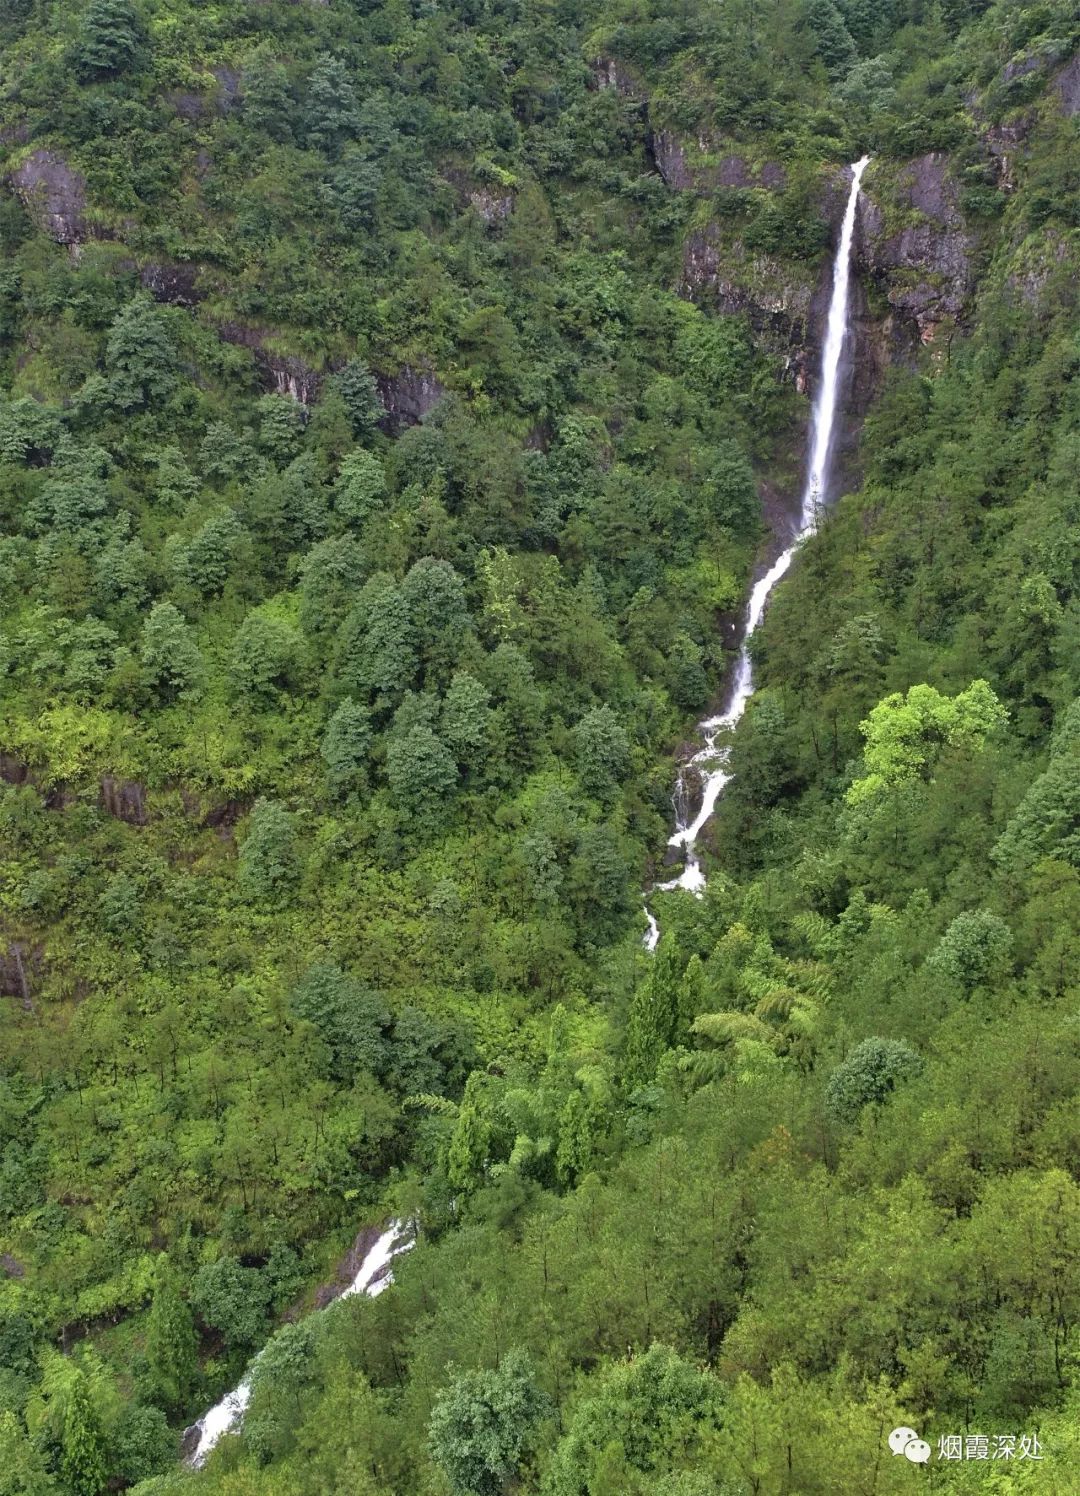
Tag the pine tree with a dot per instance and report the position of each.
(345, 747)
(171, 663)
(331, 112)
(22, 1468)
(653, 1023)
(471, 1136)
(693, 996)
(170, 1339)
(82, 1443)
(108, 38)
(575, 1139)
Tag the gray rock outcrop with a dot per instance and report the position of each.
(54, 195)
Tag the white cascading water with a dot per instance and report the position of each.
(371, 1278)
(712, 759)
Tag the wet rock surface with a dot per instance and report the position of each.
(12, 771)
(189, 106)
(125, 799)
(22, 970)
(610, 72)
(229, 91)
(54, 194)
(223, 816)
(349, 1266)
(491, 204)
(689, 790)
(777, 302)
(1067, 87)
(408, 396)
(175, 284)
(680, 168)
(279, 373)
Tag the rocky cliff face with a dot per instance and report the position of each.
(280, 373)
(704, 165)
(780, 299)
(54, 195)
(913, 244)
(913, 283)
(407, 397)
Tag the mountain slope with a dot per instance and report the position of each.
(391, 396)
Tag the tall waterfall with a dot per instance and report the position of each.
(711, 758)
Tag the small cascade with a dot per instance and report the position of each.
(712, 758)
(372, 1276)
(680, 799)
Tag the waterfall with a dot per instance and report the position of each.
(371, 1278)
(713, 755)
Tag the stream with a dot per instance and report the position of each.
(711, 759)
(372, 1276)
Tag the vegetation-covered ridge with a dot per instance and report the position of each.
(389, 395)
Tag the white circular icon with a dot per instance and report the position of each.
(900, 1438)
(917, 1451)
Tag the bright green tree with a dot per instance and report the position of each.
(172, 666)
(83, 1461)
(653, 1022)
(269, 860)
(603, 750)
(360, 489)
(645, 1416)
(906, 735)
(22, 1467)
(267, 658)
(469, 1142)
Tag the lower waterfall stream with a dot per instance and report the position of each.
(372, 1276)
(374, 1272)
(712, 757)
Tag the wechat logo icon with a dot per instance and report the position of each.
(906, 1441)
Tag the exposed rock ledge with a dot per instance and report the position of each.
(702, 167)
(916, 247)
(408, 396)
(54, 195)
(281, 373)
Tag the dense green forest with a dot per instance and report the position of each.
(396, 397)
